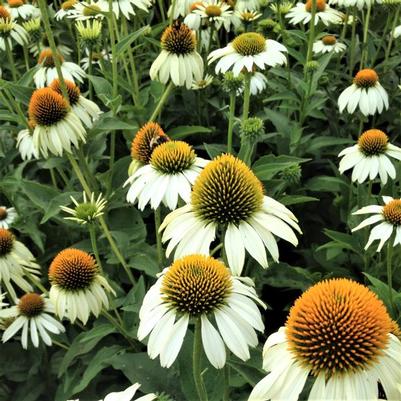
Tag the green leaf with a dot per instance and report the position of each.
(182, 132)
(126, 41)
(289, 200)
(325, 183)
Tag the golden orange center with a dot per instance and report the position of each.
(320, 5)
(338, 326)
(46, 58)
(213, 11)
(178, 39)
(6, 241)
(3, 213)
(373, 142)
(15, 3)
(69, 4)
(329, 40)
(392, 212)
(31, 305)
(366, 78)
(4, 13)
(72, 90)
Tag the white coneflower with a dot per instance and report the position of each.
(56, 126)
(25, 144)
(302, 12)
(247, 16)
(16, 263)
(248, 51)
(87, 111)
(47, 71)
(66, 9)
(19, 9)
(200, 288)
(87, 211)
(181, 8)
(87, 10)
(97, 59)
(89, 32)
(7, 216)
(10, 30)
(215, 12)
(77, 287)
(33, 315)
(328, 44)
(258, 83)
(370, 157)
(389, 217)
(228, 196)
(193, 20)
(242, 5)
(127, 395)
(340, 335)
(173, 168)
(127, 7)
(178, 60)
(366, 93)
(203, 83)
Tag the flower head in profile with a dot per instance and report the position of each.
(33, 315)
(302, 13)
(327, 44)
(87, 211)
(87, 111)
(56, 126)
(389, 217)
(25, 144)
(7, 216)
(178, 60)
(366, 93)
(340, 335)
(10, 31)
(128, 8)
(252, 5)
(47, 72)
(20, 9)
(98, 59)
(77, 287)
(369, 158)
(173, 168)
(203, 83)
(16, 264)
(247, 16)
(228, 196)
(89, 32)
(248, 51)
(202, 289)
(88, 10)
(66, 9)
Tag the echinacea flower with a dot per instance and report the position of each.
(66, 9)
(85, 109)
(178, 59)
(203, 83)
(247, 16)
(7, 216)
(340, 336)
(302, 12)
(47, 71)
(87, 211)
(369, 157)
(98, 58)
(389, 217)
(20, 9)
(127, 395)
(215, 12)
(365, 92)
(77, 287)
(56, 126)
(181, 8)
(228, 196)
(16, 264)
(328, 44)
(248, 51)
(25, 145)
(201, 289)
(173, 168)
(88, 10)
(252, 5)
(10, 30)
(127, 7)
(33, 315)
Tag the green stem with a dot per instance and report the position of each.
(161, 8)
(159, 245)
(383, 38)
(11, 62)
(390, 273)
(92, 234)
(365, 37)
(171, 19)
(390, 42)
(311, 37)
(79, 174)
(226, 394)
(247, 95)
(231, 123)
(196, 360)
(162, 101)
(119, 327)
(353, 41)
(90, 70)
(61, 345)
(26, 57)
(110, 21)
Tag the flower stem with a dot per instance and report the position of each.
(161, 8)
(162, 101)
(231, 123)
(353, 41)
(90, 68)
(11, 60)
(92, 234)
(197, 350)
(172, 12)
(226, 394)
(390, 273)
(365, 37)
(119, 327)
(160, 255)
(110, 21)
(311, 37)
(390, 42)
(247, 95)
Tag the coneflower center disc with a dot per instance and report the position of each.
(146, 140)
(213, 11)
(366, 78)
(338, 326)
(373, 142)
(178, 39)
(4, 13)
(172, 157)
(72, 90)
(46, 58)
(47, 107)
(320, 5)
(31, 305)
(3, 213)
(249, 44)
(6, 241)
(72, 269)
(392, 212)
(68, 5)
(226, 191)
(15, 3)
(329, 40)
(196, 284)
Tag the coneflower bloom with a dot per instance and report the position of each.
(7, 216)
(252, 5)
(340, 335)
(10, 30)
(200, 288)
(181, 8)
(389, 217)
(97, 59)
(247, 16)
(85, 109)
(20, 9)
(87, 10)
(203, 83)
(16, 263)
(302, 12)
(248, 51)
(127, 7)
(215, 12)
(66, 9)
(77, 287)
(178, 60)
(365, 92)
(173, 168)
(47, 71)
(328, 44)
(370, 157)
(25, 144)
(56, 126)
(33, 315)
(228, 196)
